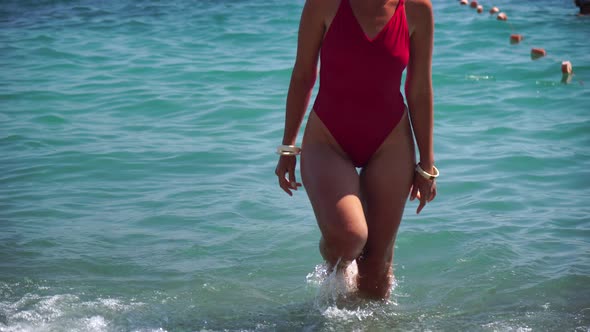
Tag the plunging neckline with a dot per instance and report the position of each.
(358, 23)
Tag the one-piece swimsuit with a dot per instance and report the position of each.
(359, 98)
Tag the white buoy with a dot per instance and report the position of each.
(566, 67)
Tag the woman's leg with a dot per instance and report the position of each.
(332, 185)
(385, 185)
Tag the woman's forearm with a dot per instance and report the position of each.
(422, 117)
(298, 97)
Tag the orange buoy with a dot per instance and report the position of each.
(494, 10)
(464, 2)
(473, 4)
(516, 38)
(566, 67)
(480, 9)
(502, 17)
(537, 53)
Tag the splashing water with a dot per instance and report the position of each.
(337, 285)
(337, 295)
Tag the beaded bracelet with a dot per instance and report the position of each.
(288, 150)
(427, 175)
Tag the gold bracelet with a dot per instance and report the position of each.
(427, 175)
(288, 150)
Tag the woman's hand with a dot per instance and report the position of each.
(286, 172)
(423, 189)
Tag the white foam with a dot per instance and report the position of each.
(507, 326)
(62, 312)
(95, 324)
(336, 296)
(347, 315)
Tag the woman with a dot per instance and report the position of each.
(359, 119)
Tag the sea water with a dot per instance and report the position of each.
(137, 186)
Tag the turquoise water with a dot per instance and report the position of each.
(137, 190)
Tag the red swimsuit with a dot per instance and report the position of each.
(359, 98)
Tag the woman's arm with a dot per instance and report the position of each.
(419, 94)
(303, 77)
(311, 32)
(419, 78)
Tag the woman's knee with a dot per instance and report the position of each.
(345, 244)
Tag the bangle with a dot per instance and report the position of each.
(427, 175)
(288, 150)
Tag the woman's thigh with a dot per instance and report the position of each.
(333, 187)
(385, 186)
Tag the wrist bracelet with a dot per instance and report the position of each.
(288, 150)
(427, 175)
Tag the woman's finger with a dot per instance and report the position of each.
(424, 194)
(421, 206)
(413, 192)
(285, 185)
(433, 193)
(292, 180)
